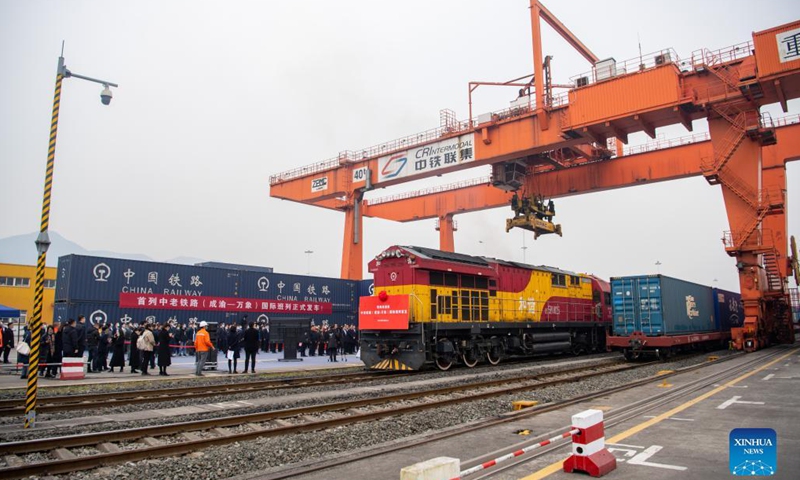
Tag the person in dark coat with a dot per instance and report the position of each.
(222, 339)
(70, 339)
(102, 349)
(250, 347)
(93, 345)
(164, 350)
(47, 350)
(58, 356)
(135, 357)
(8, 341)
(118, 351)
(333, 345)
(23, 359)
(80, 329)
(233, 345)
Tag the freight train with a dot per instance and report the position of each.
(659, 316)
(440, 308)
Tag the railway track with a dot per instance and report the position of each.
(612, 418)
(62, 403)
(81, 452)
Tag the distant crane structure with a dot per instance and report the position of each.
(561, 140)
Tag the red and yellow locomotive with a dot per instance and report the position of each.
(443, 308)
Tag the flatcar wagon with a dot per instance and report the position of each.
(432, 307)
(659, 316)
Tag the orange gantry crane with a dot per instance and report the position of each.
(561, 139)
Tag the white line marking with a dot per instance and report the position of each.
(673, 418)
(768, 376)
(735, 399)
(641, 458)
(624, 445)
(731, 386)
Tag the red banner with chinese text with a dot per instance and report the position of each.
(221, 304)
(392, 314)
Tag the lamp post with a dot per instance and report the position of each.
(658, 266)
(309, 252)
(43, 240)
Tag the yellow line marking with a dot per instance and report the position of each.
(557, 466)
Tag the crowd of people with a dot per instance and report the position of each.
(143, 346)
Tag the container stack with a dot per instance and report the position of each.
(111, 290)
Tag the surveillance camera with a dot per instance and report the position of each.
(105, 95)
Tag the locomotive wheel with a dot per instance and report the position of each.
(444, 363)
(493, 355)
(470, 359)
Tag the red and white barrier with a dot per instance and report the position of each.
(589, 453)
(492, 463)
(72, 368)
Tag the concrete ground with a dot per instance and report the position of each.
(686, 438)
(182, 367)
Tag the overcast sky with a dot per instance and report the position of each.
(216, 96)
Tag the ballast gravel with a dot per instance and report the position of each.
(293, 397)
(270, 454)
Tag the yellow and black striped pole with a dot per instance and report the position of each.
(42, 243)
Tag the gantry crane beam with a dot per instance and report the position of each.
(673, 163)
(642, 101)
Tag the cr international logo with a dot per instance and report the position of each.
(394, 166)
(753, 452)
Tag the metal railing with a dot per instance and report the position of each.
(710, 58)
(632, 65)
(386, 148)
(666, 143)
(786, 120)
(431, 190)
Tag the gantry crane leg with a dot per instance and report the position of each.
(737, 168)
(352, 249)
(446, 229)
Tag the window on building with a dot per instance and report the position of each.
(15, 282)
(49, 284)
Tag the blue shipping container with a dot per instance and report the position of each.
(657, 305)
(98, 279)
(728, 309)
(366, 288)
(235, 266)
(112, 313)
(285, 286)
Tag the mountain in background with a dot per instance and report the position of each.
(21, 249)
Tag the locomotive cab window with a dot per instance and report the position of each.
(443, 279)
(574, 281)
(559, 280)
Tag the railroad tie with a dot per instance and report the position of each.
(191, 436)
(13, 460)
(221, 432)
(281, 423)
(108, 448)
(253, 426)
(64, 454)
(151, 442)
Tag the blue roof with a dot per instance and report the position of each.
(8, 312)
